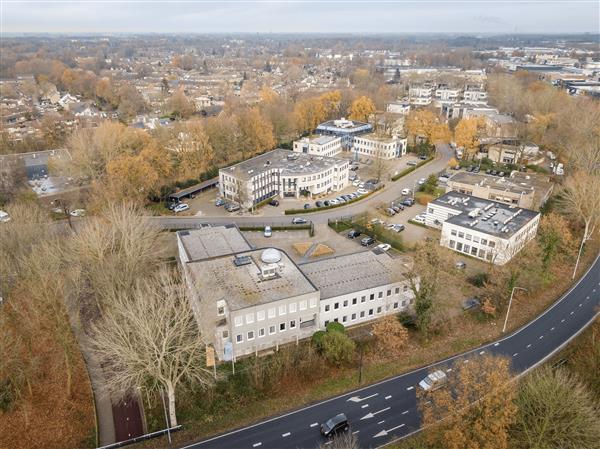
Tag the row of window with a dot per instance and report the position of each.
(474, 238)
(371, 312)
(250, 335)
(471, 250)
(272, 312)
(363, 298)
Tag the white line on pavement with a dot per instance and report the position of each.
(410, 388)
(562, 321)
(482, 352)
(287, 434)
(580, 304)
(314, 424)
(552, 328)
(355, 432)
(529, 345)
(388, 397)
(364, 406)
(572, 312)
(515, 354)
(496, 344)
(541, 336)
(405, 412)
(381, 422)
(257, 444)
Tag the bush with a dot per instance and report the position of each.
(338, 348)
(334, 326)
(317, 339)
(479, 279)
(423, 198)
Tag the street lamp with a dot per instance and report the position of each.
(509, 303)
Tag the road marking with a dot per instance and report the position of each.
(287, 434)
(359, 399)
(381, 422)
(562, 321)
(384, 433)
(329, 442)
(482, 352)
(594, 290)
(314, 424)
(388, 397)
(371, 414)
(496, 344)
(257, 444)
(572, 312)
(587, 297)
(580, 304)
(515, 354)
(541, 336)
(410, 388)
(355, 432)
(529, 346)
(364, 406)
(552, 328)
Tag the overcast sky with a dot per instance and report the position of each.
(349, 16)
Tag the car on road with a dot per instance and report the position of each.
(353, 234)
(81, 212)
(367, 241)
(299, 221)
(434, 380)
(405, 191)
(336, 425)
(181, 208)
(274, 203)
(384, 246)
(408, 202)
(268, 231)
(219, 202)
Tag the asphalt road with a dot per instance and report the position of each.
(387, 410)
(390, 192)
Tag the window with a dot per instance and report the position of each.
(363, 299)
(395, 305)
(468, 237)
(459, 246)
(261, 332)
(461, 235)
(484, 242)
(327, 307)
(397, 290)
(303, 305)
(336, 305)
(260, 315)
(405, 288)
(453, 232)
(370, 311)
(293, 307)
(271, 330)
(345, 303)
(372, 297)
(389, 293)
(482, 254)
(250, 335)
(281, 327)
(430, 210)
(271, 313)
(466, 248)
(451, 244)
(221, 310)
(313, 302)
(473, 251)
(238, 320)
(353, 317)
(249, 318)
(239, 338)
(362, 314)
(293, 324)
(225, 334)
(354, 300)
(326, 323)
(379, 309)
(380, 295)
(492, 244)
(282, 310)
(475, 239)
(344, 318)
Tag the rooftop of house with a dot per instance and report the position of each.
(286, 162)
(344, 124)
(243, 279)
(378, 137)
(355, 272)
(493, 182)
(490, 217)
(322, 140)
(212, 241)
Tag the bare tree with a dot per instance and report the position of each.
(344, 440)
(150, 339)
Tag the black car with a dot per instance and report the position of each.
(367, 241)
(307, 206)
(423, 157)
(337, 424)
(471, 168)
(319, 204)
(476, 169)
(353, 234)
(326, 203)
(274, 203)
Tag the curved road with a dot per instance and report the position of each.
(386, 411)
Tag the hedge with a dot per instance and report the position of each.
(411, 169)
(332, 206)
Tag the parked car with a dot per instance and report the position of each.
(333, 202)
(172, 206)
(384, 246)
(443, 179)
(398, 227)
(4, 217)
(268, 231)
(274, 203)
(336, 425)
(232, 207)
(299, 220)
(307, 206)
(219, 202)
(181, 208)
(398, 208)
(362, 191)
(367, 241)
(422, 181)
(476, 169)
(353, 234)
(470, 168)
(391, 212)
(408, 202)
(501, 173)
(355, 183)
(423, 157)
(326, 203)
(81, 212)
(319, 204)
(419, 219)
(411, 163)
(405, 191)
(433, 381)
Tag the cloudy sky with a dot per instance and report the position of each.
(347, 16)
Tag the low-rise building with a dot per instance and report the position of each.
(526, 190)
(284, 173)
(378, 146)
(346, 129)
(484, 229)
(319, 145)
(399, 107)
(420, 95)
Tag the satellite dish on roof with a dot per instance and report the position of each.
(270, 255)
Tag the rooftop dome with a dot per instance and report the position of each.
(270, 255)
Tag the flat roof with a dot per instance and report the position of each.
(243, 285)
(322, 140)
(344, 125)
(355, 272)
(213, 241)
(195, 188)
(377, 137)
(490, 217)
(492, 182)
(287, 162)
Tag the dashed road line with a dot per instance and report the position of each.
(257, 444)
(364, 406)
(410, 388)
(541, 336)
(496, 344)
(314, 424)
(528, 346)
(287, 434)
(388, 397)
(405, 412)
(515, 354)
(381, 422)
(355, 432)
(562, 321)
(482, 352)
(552, 328)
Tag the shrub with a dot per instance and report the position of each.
(338, 348)
(479, 279)
(334, 326)
(317, 339)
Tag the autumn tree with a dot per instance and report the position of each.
(337, 348)
(195, 152)
(361, 109)
(256, 133)
(105, 91)
(424, 124)
(555, 410)
(149, 338)
(555, 238)
(331, 102)
(223, 136)
(180, 105)
(391, 336)
(466, 135)
(474, 409)
(309, 113)
(131, 101)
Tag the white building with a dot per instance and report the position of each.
(420, 95)
(344, 128)
(399, 107)
(475, 95)
(447, 94)
(284, 173)
(484, 229)
(376, 146)
(319, 145)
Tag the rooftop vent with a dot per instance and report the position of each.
(269, 271)
(270, 256)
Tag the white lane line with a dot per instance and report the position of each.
(287, 434)
(529, 345)
(515, 354)
(496, 344)
(580, 304)
(552, 328)
(381, 422)
(384, 433)
(328, 443)
(314, 424)
(257, 444)
(572, 312)
(388, 397)
(355, 432)
(405, 412)
(541, 336)
(364, 406)
(359, 399)
(410, 388)
(482, 352)
(562, 321)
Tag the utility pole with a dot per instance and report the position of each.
(509, 303)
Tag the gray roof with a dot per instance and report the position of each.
(493, 182)
(243, 286)
(489, 217)
(287, 162)
(213, 242)
(354, 272)
(322, 140)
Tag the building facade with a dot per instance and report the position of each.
(375, 146)
(345, 129)
(319, 146)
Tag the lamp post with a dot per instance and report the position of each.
(509, 303)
